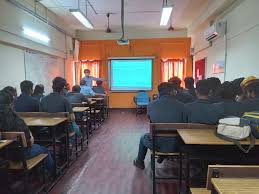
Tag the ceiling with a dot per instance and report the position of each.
(139, 13)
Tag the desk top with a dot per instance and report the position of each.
(236, 185)
(90, 103)
(43, 121)
(205, 137)
(4, 143)
(80, 109)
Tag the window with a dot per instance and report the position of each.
(171, 68)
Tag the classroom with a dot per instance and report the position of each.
(129, 97)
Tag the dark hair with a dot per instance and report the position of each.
(253, 87)
(214, 84)
(76, 88)
(59, 84)
(175, 80)
(202, 87)
(82, 82)
(236, 85)
(87, 71)
(165, 88)
(189, 82)
(26, 87)
(99, 82)
(10, 90)
(226, 91)
(9, 120)
(38, 90)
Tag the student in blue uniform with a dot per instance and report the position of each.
(11, 90)
(75, 96)
(166, 109)
(227, 94)
(25, 102)
(214, 85)
(38, 93)
(99, 88)
(181, 95)
(189, 86)
(252, 96)
(85, 89)
(202, 111)
(237, 88)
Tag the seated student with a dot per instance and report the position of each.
(237, 88)
(189, 85)
(181, 95)
(99, 88)
(25, 102)
(201, 110)
(38, 92)
(166, 109)
(251, 90)
(11, 90)
(75, 96)
(10, 121)
(85, 89)
(214, 84)
(227, 94)
(56, 101)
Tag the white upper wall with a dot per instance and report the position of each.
(240, 44)
(13, 19)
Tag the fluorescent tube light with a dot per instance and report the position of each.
(166, 13)
(36, 35)
(82, 18)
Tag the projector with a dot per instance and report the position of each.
(123, 42)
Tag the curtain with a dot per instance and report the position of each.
(171, 68)
(93, 66)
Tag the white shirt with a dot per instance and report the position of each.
(89, 80)
(87, 91)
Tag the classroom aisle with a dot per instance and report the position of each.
(107, 166)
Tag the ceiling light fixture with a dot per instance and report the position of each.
(166, 13)
(82, 17)
(35, 35)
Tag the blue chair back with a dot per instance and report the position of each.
(142, 98)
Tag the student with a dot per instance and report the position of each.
(189, 85)
(227, 94)
(11, 90)
(214, 85)
(56, 101)
(166, 109)
(89, 79)
(75, 96)
(202, 111)
(10, 121)
(38, 92)
(25, 102)
(237, 89)
(85, 89)
(251, 90)
(99, 88)
(181, 95)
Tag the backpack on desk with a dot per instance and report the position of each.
(235, 129)
(253, 117)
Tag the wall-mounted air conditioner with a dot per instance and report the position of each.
(216, 30)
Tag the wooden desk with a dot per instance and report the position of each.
(90, 103)
(236, 185)
(96, 99)
(52, 123)
(4, 143)
(205, 137)
(200, 191)
(80, 109)
(43, 121)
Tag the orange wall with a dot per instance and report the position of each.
(159, 48)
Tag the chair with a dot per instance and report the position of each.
(17, 160)
(141, 100)
(170, 130)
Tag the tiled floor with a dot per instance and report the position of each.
(106, 167)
